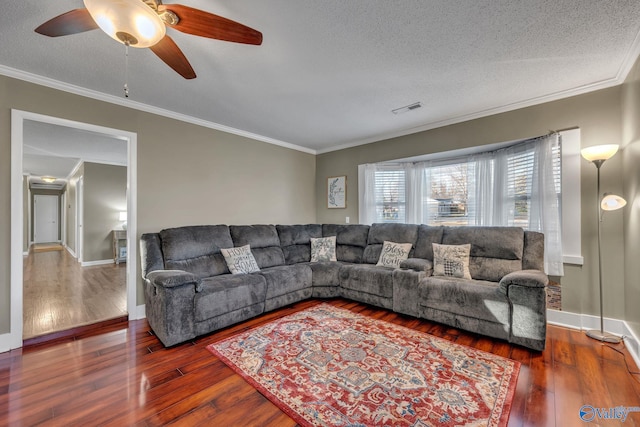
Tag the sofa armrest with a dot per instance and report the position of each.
(418, 264)
(525, 278)
(173, 278)
(405, 291)
(526, 293)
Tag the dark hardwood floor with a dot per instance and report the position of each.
(122, 375)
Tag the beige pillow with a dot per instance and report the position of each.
(323, 249)
(240, 260)
(451, 260)
(393, 254)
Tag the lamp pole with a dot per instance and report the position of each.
(599, 163)
(597, 155)
(601, 335)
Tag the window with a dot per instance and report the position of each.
(519, 185)
(390, 196)
(447, 198)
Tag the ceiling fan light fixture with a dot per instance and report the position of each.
(129, 22)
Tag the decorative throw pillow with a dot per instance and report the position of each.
(393, 254)
(240, 260)
(323, 249)
(451, 260)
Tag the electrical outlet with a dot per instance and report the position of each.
(346, 220)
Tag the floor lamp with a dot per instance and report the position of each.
(609, 202)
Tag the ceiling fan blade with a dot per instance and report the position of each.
(72, 22)
(170, 53)
(205, 24)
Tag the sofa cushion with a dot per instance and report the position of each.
(351, 239)
(325, 273)
(323, 249)
(196, 249)
(285, 279)
(451, 260)
(393, 254)
(477, 299)
(368, 279)
(427, 236)
(418, 264)
(240, 260)
(264, 242)
(495, 251)
(379, 233)
(295, 241)
(223, 294)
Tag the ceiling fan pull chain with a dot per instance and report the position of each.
(126, 70)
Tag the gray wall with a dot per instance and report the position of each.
(598, 114)
(105, 196)
(631, 168)
(187, 174)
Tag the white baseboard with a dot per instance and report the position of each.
(71, 252)
(99, 262)
(138, 313)
(588, 321)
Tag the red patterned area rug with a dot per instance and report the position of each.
(327, 366)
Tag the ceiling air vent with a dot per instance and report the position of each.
(409, 107)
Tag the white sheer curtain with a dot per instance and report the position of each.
(544, 212)
(414, 188)
(367, 193)
(481, 200)
(495, 193)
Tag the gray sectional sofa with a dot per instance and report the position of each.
(189, 290)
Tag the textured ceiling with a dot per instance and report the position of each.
(329, 72)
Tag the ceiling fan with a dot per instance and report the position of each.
(142, 23)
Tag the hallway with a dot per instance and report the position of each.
(58, 294)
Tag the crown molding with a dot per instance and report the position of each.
(99, 96)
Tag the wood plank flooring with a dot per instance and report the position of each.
(124, 376)
(59, 294)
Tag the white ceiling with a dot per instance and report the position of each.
(56, 151)
(329, 72)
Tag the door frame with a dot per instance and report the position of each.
(17, 219)
(40, 197)
(80, 218)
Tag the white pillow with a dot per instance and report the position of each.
(451, 260)
(393, 254)
(323, 249)
(240, 260)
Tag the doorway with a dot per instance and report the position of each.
(18, 119)
(46, 217)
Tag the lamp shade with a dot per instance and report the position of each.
(599, 152)
(612, 202)
(130, 22)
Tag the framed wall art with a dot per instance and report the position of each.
(337, 192)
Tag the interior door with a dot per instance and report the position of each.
(46, 218)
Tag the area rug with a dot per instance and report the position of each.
(327, 366)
